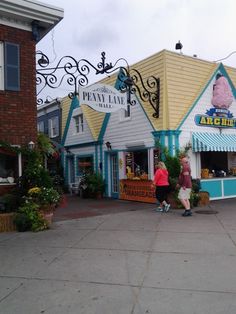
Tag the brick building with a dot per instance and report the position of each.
(22, 25)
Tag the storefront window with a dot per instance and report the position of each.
(215, 162)
(8, 167)
(137, 164)
(85, 165)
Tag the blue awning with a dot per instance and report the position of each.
(214, 142)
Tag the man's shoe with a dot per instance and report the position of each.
(187, 213)
(167, 208)
(159, 209)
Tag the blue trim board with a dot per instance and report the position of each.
(229, 187)
(172, 137)
(220, 69)
(96, 158)
(106, 171)
(213, 187)
(104, 126)
(74, 104)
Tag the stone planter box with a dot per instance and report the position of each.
(6, 222)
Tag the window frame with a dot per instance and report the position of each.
(2, 74)
(11, 63)
(51, 129)
(79, 123)
(41, 126)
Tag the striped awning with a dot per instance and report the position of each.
(215, 142)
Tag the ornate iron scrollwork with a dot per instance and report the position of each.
(76, 74)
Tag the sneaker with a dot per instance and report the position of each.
(187, 213)
(159, 209)
(167, 208)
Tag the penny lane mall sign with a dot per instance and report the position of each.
(103, 98)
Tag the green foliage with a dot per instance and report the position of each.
(34, 173)
(45, 145)
(44, 196)
(28, 217)
(94, 183)
(173, 165)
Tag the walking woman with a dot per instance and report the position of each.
(161, 182)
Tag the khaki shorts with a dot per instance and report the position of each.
(184, 194)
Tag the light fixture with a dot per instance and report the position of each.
(48, 100)
(178, 46)
(31, 145)
(108, 145)
(35, 30)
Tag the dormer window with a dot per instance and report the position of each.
(79, 123)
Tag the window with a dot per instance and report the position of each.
(136, 163)
(41, 126)
(9, 66)
(85, 165)
(125, 114)
(216, 161)
(79, 123)
(53, 127)
(8, 166)
(1, 66)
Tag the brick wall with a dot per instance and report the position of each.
(18, 112)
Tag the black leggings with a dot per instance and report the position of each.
(162, 192)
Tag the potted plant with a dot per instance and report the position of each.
(28, 218)
(95, 185)
(47, 199)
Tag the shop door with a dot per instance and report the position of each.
(114, 176)
(71, 169)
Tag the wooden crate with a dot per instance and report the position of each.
(6, 222)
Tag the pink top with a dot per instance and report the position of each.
(161, 177)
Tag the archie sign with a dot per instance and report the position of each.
(103, 98)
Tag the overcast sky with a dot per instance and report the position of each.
(136, 29)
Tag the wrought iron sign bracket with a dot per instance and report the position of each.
(76, 74)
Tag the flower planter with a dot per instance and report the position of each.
(47, 213)
(48, 216)
(6, 222)
(204, 198)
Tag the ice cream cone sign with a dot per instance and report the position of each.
(222, 95)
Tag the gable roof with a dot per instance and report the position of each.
(93, 118)
(219, 69)
(181, 80)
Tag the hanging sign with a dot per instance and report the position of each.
(103, 98)
(222, 98)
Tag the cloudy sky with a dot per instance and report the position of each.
(136, 29)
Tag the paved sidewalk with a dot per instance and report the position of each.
(122, 258)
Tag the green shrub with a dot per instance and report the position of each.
(28, 217)
(94, 184)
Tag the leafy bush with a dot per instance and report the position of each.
(44, 196)
(94, 184)
(28, 217)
